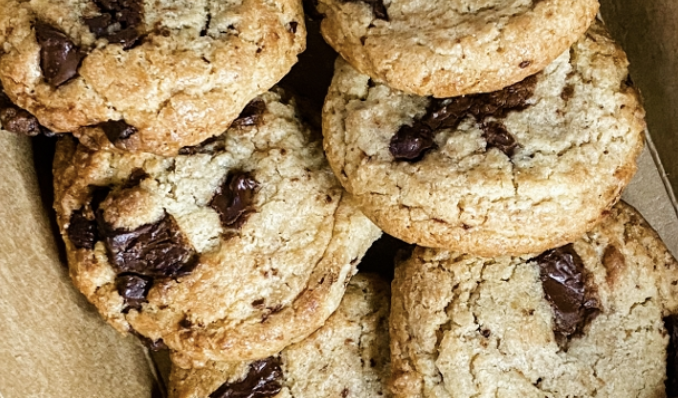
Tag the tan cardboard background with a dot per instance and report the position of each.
(53, 343)
(648, 31)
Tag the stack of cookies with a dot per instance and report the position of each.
(498, 137)
(201, 214)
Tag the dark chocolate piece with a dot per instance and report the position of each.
(448, 113)
(498, 103)
(251, 115)
(117, 130)
(671, 325)
(292, 26)
(263, 380)
(82, 232)
(154, 250)
(563, 279)
(134, 289)
(498, 137)
(59, 56)
(411, 142)
(233, 200)
(119, 22)
(210, 145)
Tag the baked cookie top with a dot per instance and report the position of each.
(154, 75)
(592, 318)
(516, 171)
(448, 48)
(347, 357)
(231, 251)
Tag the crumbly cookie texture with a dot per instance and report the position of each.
(464, 326)
(347, 357)
(232, 251)
(177, 72)
(448, 48)
(522, 170)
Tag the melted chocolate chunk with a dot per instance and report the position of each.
(263, 380)
(292, 27)
(210, 145)
(251, 114)
(498, 137)
(671, 325)
(562, 275)
(499, 103)
(411, 142)
(134, 289)
(153, 250)
(119, 21)
(82, 232)
(59, 56)
(117, 130)
(17, 120)
(444, 114)
(136, 176)
(233, 200)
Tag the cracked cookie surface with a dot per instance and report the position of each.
(453, 47)
(348, 357)
(178, 72)
(522, 170)
(464, 326)
(232, 251)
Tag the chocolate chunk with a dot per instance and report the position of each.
(59, 56)
(263, 380)
(671, 325)
(292, 26)
(233, 200)
(498, 137)
(117, 130)
(136, 176)
(134, 289)
(562, 275)
(82, 232)
(251, 114)
(499, 103)
(210, 145)
(119, 22)
(411, 142)
(154, 250)
(19, 121)
(448, 113)
(567, 93)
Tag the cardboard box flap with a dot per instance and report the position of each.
(54, 344)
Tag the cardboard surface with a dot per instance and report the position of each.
(54, 344)
(648, 31)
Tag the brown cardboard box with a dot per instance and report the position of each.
(54, 345)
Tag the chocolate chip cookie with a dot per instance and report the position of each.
(520, 170)
(231, 251)
(153, 75)
(453, 47)
(596, 318)
(347, 357)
